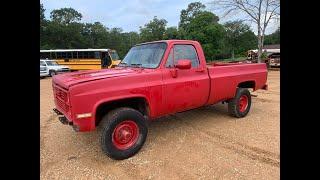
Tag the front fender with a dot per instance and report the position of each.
(116, 98)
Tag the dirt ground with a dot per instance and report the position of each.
(201, 144)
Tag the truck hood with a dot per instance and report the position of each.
(69, 79)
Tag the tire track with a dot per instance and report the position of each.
(251, 152)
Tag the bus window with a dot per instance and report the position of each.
(97, 55)
(64, 55)
(68, 55)
(80, 55)
(44, 55)
(74, 55)
(91, 55)
(84, 55)
(59, 55)
(114, 55)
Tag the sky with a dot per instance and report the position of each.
(131, 14)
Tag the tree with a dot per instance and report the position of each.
(258, 11)
(171, 33)
(42, 17)
(128, 39)
(65, 16)
(187, 14)
(95, 34)
(201, 20)
(65, 37)
(273, 38)
(239, 37)
(43, 24)
(154, 30)
(204, 27)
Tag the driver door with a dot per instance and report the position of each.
(190, 88)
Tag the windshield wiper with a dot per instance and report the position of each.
(136, 65)
(123, 63)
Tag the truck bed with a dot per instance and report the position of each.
(226, 77)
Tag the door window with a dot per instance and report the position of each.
(182, 52)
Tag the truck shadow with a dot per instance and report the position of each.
(214, 112)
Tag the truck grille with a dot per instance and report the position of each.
(62, 105)
(61, 94)
(61, 98)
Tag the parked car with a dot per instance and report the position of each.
(154, 79)
(274, 59)
(53, 68)
(43, 70)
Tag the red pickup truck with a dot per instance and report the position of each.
(154, 79)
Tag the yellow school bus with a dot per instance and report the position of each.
(83, 59)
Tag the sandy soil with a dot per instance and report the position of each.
(201, 144)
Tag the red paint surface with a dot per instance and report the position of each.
(125, 135)
(166, 90)
(243, 103)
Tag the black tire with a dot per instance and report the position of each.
(52, 73)
(233, 105)
(107, 126)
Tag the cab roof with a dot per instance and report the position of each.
(169, 41)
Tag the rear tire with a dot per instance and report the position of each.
(123, 132)
(240, 105)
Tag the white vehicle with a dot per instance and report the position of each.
(53, 68)
(43, 70)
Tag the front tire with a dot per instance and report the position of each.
(240, 105)
(52, 73)
(123, 132)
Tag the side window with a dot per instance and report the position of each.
(68, 54)
(169, 62)
(186, 52)
(74, 55)
(97, 55)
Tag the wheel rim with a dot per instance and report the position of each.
(125, 134)
(52, 73)
(243, 103)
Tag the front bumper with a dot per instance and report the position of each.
(274, 64)
(84, 124)
(62, 118)
(42, 74)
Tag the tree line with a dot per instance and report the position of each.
(232, 39)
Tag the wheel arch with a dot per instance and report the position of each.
(139, 103)
(247, 84)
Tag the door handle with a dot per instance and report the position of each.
(174, 72)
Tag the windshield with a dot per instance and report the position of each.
(52, 63)
(114, 55)
(146, 55)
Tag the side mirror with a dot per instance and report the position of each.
(183, 64)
